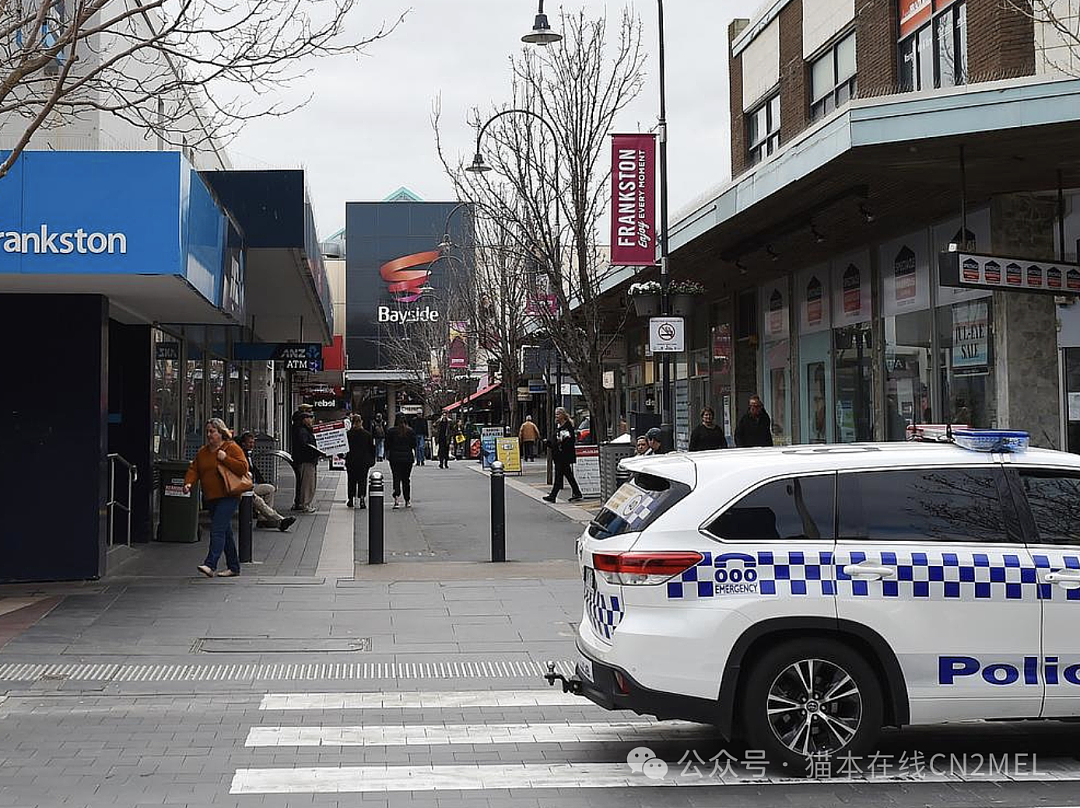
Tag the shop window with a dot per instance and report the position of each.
(853, 349)
(907, 373)
(763, 129)
(832, 78)
(933, 48)
(966, 339)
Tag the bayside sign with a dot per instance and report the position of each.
(633, 200)
(424, 315)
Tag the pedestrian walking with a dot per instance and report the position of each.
(708, 434)
(443, 436)
(305, 459)
(755, 428)
(528, 435)
(563, 455)
(359, 460)
(378, 431)
(459, 440)
(218, 451)
(400, 449)
(263, 502)
(420, 427)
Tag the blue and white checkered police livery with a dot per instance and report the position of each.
(605, 611)
(924, 575)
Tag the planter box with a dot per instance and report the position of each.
(683, 305)
(646, 305)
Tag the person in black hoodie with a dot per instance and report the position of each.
(359, 460)
(400, 451)
(708, 434)
(755, 427)
(444, 432)
(305, 457)
(563, 455)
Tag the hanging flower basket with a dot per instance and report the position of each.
(646, 305)
(646, 297)
(683, 305)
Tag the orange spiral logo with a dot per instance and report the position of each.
(402, 280)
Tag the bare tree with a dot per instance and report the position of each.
(188, 71)
(550, 179)
(1057, 31)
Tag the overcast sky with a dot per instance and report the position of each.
(368, 132)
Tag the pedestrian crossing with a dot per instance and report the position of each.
(543, 739)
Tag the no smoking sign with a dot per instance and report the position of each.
(666, 334)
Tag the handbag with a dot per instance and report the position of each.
(235, 485)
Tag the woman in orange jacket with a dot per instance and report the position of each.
(219, 450)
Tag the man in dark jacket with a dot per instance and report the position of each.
(305, 456)
(443, 435)
(708, 434)
(755, 428)
(400, 451)
(563, 455)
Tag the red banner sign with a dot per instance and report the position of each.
(913, 14)
(633, 200)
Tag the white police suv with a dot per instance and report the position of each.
(804, 597)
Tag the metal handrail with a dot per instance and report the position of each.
(113, 504)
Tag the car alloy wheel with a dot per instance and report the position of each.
(810, 698)
(814, 707)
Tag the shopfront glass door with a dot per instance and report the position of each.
(853, 355)
(816, 374)
(907, 372)
(777, 391)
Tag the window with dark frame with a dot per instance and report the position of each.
(832, 77)
(763, 129)
(933, 46)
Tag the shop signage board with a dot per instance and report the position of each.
(331, 438)
(489, 436)
(537, 386)
(851, 289)
(587, 470)
(299, 356)
(813, 292)
(775, 310)
(167, 351)
(508, 452)
(905, 275)
(633, 200)
(667, 334)
(1001, 273)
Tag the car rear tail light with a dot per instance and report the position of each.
(620, 682)
(643, 569)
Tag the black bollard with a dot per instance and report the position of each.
(247, 514)
(375, 518)
(498, 512)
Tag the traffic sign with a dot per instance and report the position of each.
(667, 334)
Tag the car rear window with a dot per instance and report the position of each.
(636, 505)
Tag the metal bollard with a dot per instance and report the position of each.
(498, 512)
(247, 514)
(375, 518)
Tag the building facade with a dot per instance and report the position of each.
(865, 140)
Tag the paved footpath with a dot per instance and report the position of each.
(316, 680)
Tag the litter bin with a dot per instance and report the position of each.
(179, 512)
(265, 447)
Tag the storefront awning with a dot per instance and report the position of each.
(483, 391)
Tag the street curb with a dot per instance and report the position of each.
(572, 512)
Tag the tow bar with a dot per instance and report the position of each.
(568, 685)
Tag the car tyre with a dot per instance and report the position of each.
(825, 700)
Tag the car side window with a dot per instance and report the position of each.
(1054, 499)
(791, 508)
(937, 504)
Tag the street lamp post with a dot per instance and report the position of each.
(540, 26)
(666, 425)
(479, 166)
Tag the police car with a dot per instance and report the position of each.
(804, 597)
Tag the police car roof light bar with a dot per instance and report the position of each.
(976, 440)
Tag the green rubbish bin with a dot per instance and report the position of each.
(178, 519)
